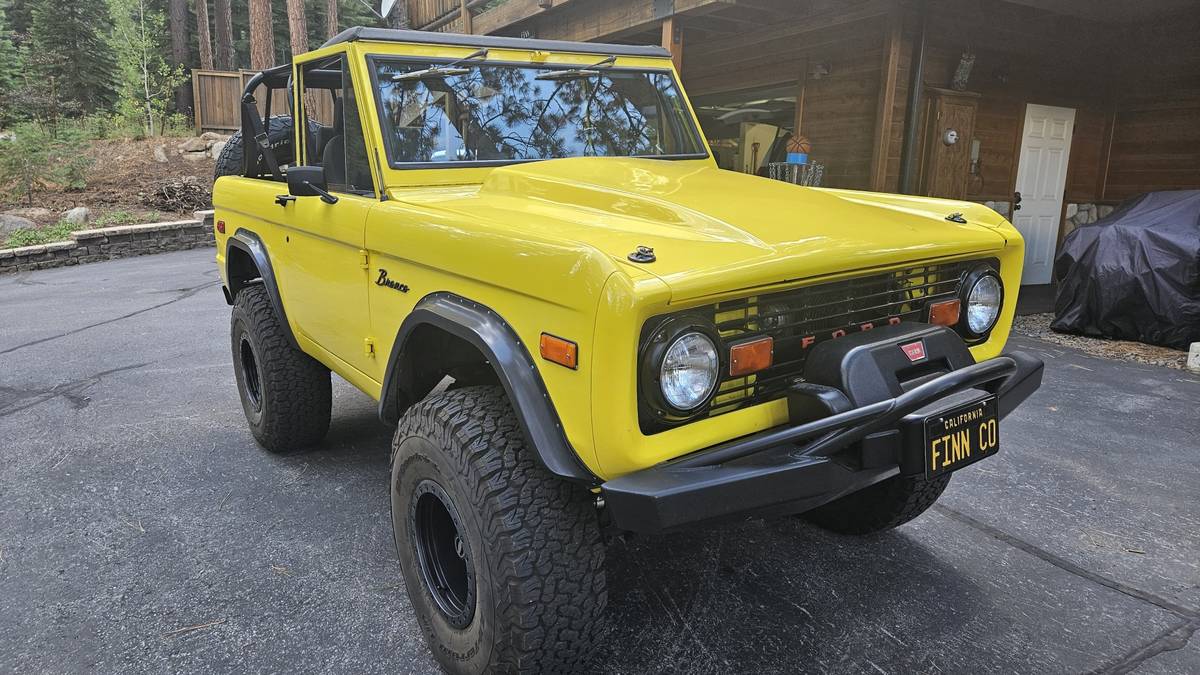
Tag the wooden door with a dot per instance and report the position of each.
(1041, 180)
(947, 164)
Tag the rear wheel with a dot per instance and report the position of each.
(286, 394)
(882, 506)
(502, 561)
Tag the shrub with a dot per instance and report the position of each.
(35, 159)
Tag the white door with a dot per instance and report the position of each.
(1041, 180)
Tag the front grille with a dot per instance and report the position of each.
(802, 318)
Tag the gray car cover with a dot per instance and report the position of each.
(1134, 274)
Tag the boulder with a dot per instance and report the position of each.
(213, 136)
(194, 145)
(9, 222)
(31, 212)
(76, 216)
(215, 150)
(195, 156)
(1105, 210)
(160, 154)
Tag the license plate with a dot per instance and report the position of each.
(961, 436)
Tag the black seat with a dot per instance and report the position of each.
(333, 156)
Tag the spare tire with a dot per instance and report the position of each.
(279, 132)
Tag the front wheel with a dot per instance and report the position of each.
(502, 561)
(882, 506)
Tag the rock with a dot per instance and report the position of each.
(160, 154)
(194, 145)
(195, 156)
(9, 222)
(76, 216)
(1193, 362)
(213, 136)
(1072, 209)
(215, 150)
(31, 212)
(1105, 210)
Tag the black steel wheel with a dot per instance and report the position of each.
(443, 553)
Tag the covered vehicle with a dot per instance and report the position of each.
(1135, 274)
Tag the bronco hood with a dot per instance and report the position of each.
(715, 231)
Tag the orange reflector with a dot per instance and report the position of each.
(221, 226)
(944, 313)
(560, 351)
(751, 357)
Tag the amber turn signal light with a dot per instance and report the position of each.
(944, 313)
(560, 351)
(751, 357)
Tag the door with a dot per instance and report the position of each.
(326, 271)
(948, 134)
(1041, 180)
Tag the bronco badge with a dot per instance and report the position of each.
(383, 280)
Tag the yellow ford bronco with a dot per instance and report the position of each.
(580, 326)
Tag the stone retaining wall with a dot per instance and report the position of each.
(110, 243)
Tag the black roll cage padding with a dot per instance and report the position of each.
(842, 429)
(255, 129)
(250, 243)
(495, 339)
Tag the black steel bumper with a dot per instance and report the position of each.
(803, 465)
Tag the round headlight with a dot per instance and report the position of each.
(983, 304)
(689, 371)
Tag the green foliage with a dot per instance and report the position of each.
(36, 159)
(148, 81)
(73, 51)
(117, 218)
(32, 236)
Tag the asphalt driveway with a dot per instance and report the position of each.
(141, 529)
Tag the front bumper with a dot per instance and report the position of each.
(803, 465)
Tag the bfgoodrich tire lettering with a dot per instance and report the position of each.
(882, 506)
(286, 394)
(532, 540)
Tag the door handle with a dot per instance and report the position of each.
(283, 200)
(1016, 201)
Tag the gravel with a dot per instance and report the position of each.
(1038, 326)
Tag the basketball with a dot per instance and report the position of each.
(799, 144)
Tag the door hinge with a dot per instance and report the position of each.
(369, 347)
(364, 259)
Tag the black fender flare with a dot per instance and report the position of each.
(250, 243)
(488, 332)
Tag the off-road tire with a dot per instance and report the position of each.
(286, 394)
(536, 588)
(279, 132)
(882, 506)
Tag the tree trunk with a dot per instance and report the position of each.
(399, 16)
(179, 51)
(331, 18)
(224, 21)
(203, 35)
(262, 38)
(297, 27)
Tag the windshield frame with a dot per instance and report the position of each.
(377, 94)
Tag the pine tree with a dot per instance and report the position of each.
(9, 66)
(73, 51)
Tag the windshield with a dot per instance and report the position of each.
(440, 113)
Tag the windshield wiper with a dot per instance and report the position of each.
(577, 73)
(437, 72)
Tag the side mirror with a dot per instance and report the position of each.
(309, 181)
